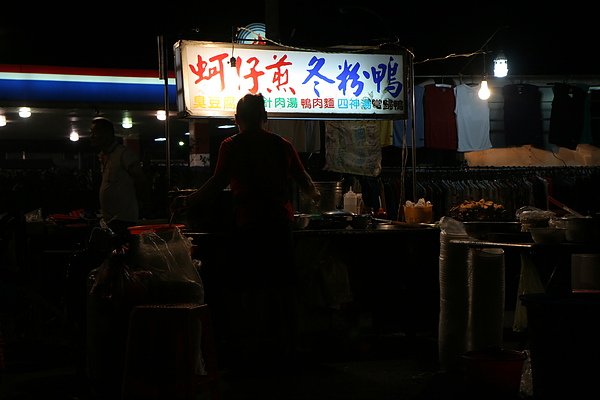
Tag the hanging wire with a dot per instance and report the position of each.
(346, 50)
(234, 31)
(484, 67)
(481, 51)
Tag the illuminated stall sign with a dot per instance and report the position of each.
(211, 77)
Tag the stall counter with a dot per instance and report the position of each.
(377, 280)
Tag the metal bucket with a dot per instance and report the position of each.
(331, 198)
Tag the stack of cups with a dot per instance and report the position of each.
(585, 273)
(454, 300)
(486, 283)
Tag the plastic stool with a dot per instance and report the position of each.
(170, 353)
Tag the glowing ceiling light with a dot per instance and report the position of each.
(24, 112)
(161, 115)
(127, 122)
(484, 92)
(74, 136)
(2, 120)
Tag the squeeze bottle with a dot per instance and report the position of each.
(350, 201)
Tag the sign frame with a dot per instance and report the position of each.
(338, 84)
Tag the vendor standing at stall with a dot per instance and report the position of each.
(260, 167)
(123, 181)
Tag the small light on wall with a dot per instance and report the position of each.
(161, 115)
(2, 120)
(24, 112)
(74, 136)
(484, 91)
(127, 122)
(500, 66)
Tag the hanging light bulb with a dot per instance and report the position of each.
(24, 112)
(484, 92)
(127, 122)
(74, 136)
(500, 66)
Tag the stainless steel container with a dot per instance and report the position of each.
(331, 198)
(582, 229)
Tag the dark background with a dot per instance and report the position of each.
(537, 41)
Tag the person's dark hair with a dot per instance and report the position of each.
(251, 109)
(104, 124)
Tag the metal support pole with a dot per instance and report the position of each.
(164, 75)
(411, 85)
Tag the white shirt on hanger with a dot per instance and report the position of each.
(472, 119)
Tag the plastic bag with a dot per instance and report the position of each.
(335, 282)
(529, 213)
(531, 217)
(452, 226)
(529, 282)
(116, 284)
(526, 387)
(167, 256)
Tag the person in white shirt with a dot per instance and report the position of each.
(123, 181)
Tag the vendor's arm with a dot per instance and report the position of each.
(302, 177)
(207, 192)
(307, 185)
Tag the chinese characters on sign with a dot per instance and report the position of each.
(211, 77)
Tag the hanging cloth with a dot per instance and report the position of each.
(439, 103)
(567, 115)
(354, 147)
(472, 119)
(400, 132)
(523, 115)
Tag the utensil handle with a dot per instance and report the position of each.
(564, 207)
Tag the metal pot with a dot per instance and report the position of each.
(582, 229)
(341, 219)
(301, 221)
(331, 198)
(338, 219)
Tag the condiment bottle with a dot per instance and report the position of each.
(350, 201)
(381, 213)
(359, 203)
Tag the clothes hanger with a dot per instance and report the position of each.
(472, 82)
(442, 84)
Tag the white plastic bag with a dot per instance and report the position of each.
(529, 282)
(167, 256)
